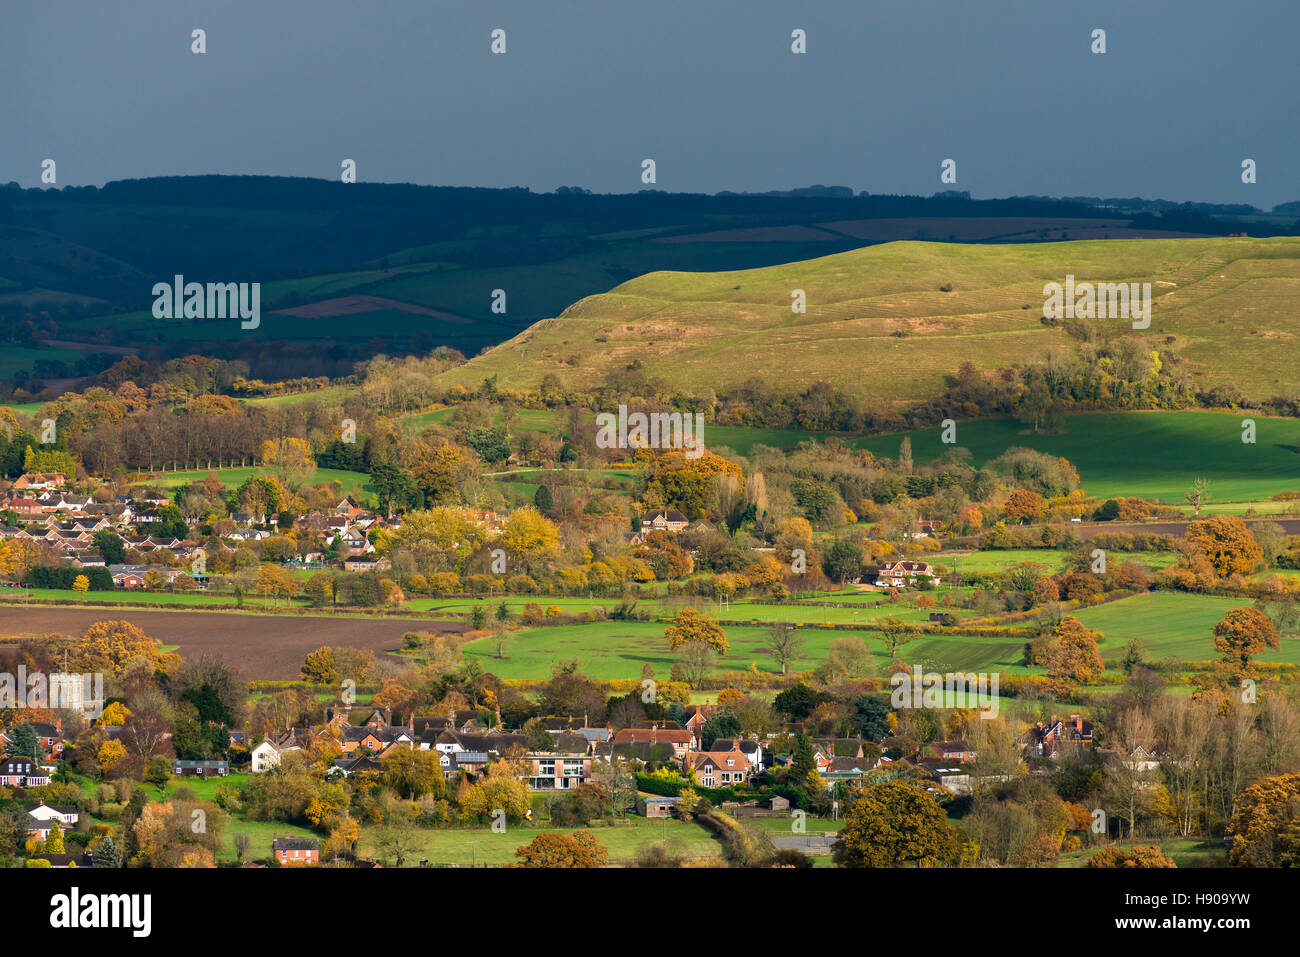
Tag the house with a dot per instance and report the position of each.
(42, 817)
(697, 715)
(472, 763)
(557, 772)
(267, 755)
(900, 574)
(40, 480)
(451, 742)
(366, 564)
(664, 520)
(296, 850)
(20, 771)
(375, 740)
(50, 736)
(714, 770)
(682, 741)
(133, 576)
(752, 750)
(201, 769)
(1044, 740)
(952, 750)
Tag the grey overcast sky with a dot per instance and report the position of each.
(707, 88)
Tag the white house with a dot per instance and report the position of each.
(266, 756)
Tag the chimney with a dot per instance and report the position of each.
(1078, 723)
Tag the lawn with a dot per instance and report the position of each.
(479, 845)
(355, 483)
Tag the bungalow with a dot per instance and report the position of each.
(363, 564)
(201, 769)
(949, 774)
(656, 806)
(42, 817)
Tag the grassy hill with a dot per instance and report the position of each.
(890, 321)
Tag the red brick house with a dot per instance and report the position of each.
(296, 850)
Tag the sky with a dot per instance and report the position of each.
(708, 89)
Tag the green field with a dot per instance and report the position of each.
(461, 846)
(186, 599)
(890, 321)
(997, 562)
(618, 649)
(1170, 624)
(1149, 454)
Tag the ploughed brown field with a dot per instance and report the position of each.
(265, 647)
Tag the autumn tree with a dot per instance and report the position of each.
(1265, 828)
(320, 666)
(1072, 657)
(413, 773)
(1024, 505)
(691, 626)
(529, 537)
(1227, 543)
(553, 849)
(110, 646)
(290, 458)
(1239, 637)
(894, 824)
